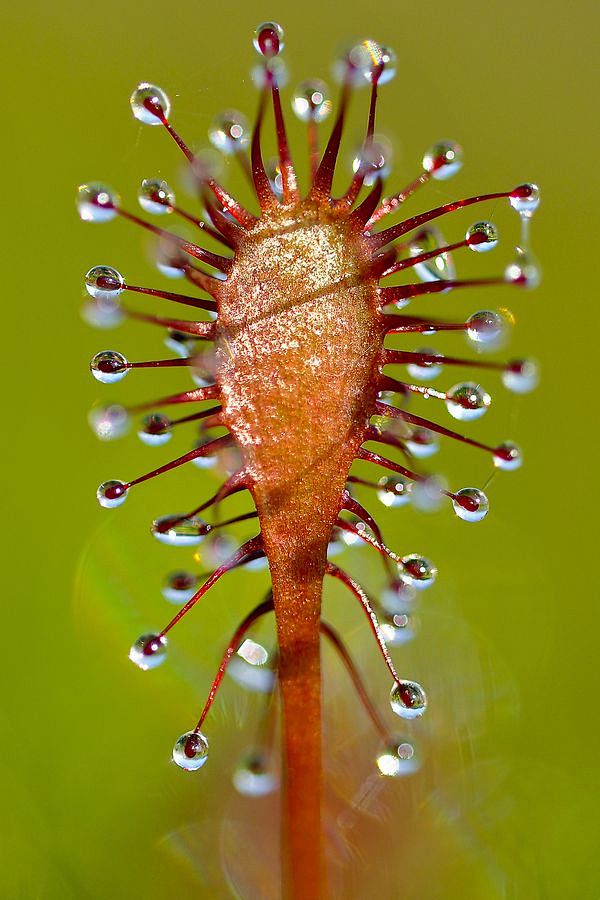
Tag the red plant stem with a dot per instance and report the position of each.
(297, 600)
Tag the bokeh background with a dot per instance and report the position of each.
(505, 805)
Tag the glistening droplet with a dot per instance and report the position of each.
(149, 651)
(96, 202)
(190, 751)
(149, 104)
(156, 197)
(467, 401)
(408, 699)
(397, 759)
(470, 504)
(443, 160)
(108, 366)
(179, 530)
(104, 283)
(111, 494)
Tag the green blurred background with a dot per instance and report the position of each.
(506, 802)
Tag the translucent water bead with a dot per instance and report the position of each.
(268, 39)
(180, 530)
(398, 597)
(521, 376)
(104, 283)
(179, 587)
(311, 102)
(229, 131)
(149, 651)
(399, 628)
(425, 371)
(482, 236)
(111, 494)
(100, 313)
(150, 104)
(467, 401)
(393, 490)
(524, 270)
(190, 751)
(443, 160)
(422, 443)
(156, 430)
(109, 366)
(252, 778)
(470, 504)
(96, 202)
(368, 56)
(109, 422)
(485, 327)
(418, 571)
(508, 457)
(397, 759)
(437, 268)
(156, 197)
(373, 161)
(408, 699)
(525, 199)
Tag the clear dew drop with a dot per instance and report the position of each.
(418, 571)
(179, 343)
(399, 628)
(422, 443)
(156, 197)
(190, 751)
(367, 57)
(229, 131)
(443, 160)
(311, 101)
(179, 587)
(470, 504)
(111, 494)
(272, 71)
(109, 366)
(253, 653)
(425, 371)
(156, 430)
(485, 327)
(508, 456)
(217, 549)
(204, 462)
(273, 170)
(170, 260)
(521, 376)
(393, 490)
(178, 530)
(398, 759)
(373, 160)
(109, 422)
(149, 651)
(398, 597)
(482, 237)
(258, 679)
(408, 699)
(525, 199)
(150, 104)
(467, 401)
(96, 202)
(268, 39)
(524, 270)
(104, 283)
(439, 268)
(102, 314)
(252, 778)
(428, 494)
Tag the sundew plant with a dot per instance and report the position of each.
(295, 347)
